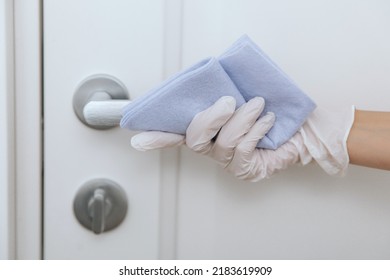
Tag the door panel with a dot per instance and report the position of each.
(123, 39)
(338, 52)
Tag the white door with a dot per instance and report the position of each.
(123, 39)
(182, 205)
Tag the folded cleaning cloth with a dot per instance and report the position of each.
(172, 106)
(246, 72)
(255, 74)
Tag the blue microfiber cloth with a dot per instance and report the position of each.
(255, 74)
(172, 106)
(246, 72)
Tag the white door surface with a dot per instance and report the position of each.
(82, 38)
(182, 205)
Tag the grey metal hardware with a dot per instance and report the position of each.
(100, 205)
(104, 96)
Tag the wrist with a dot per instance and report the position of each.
(368, 142)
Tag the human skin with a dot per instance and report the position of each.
(368, 142)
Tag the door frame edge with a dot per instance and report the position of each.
(28, 66)
(7, 132)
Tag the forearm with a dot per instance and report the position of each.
(369, 139)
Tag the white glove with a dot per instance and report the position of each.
(322, 137)
(325, 137)
(235, 146)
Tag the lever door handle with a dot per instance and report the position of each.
(98, 101)
(104, 113)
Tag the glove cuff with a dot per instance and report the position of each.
(325, 136)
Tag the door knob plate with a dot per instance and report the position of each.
(114, 205)
(95, 88)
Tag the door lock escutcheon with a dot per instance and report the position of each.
(100, 205)
(98, 101)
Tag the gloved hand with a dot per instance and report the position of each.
(322, 137)
(235, 145)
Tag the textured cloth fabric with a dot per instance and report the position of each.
(243, 72)
(172, 106)
(255, 74)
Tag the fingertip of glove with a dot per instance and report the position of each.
(258, 99)
(254, 107)
(136, 144)
(228, 101)
(270, 116)
(268, 121)
(257, 102)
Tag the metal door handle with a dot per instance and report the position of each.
(98, 101)
(105, 114)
